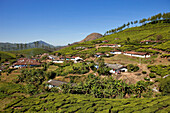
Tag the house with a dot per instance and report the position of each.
(105, 41)
(137, 54)
(116, 38)
(78, 59)
(115, 52)
(99, 54)
(110, 45)
(24, 62)
(73, 58)
(56, 83)
(52, 57)
(58, 61)
(116, 68)
(80, 47)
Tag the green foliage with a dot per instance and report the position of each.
(67, 68)
(164, 46)
(34, 78)
(132, 68)
(144, 72)
(165, 86)
(105, 88)
(165, 55)
(148, 50)
(102, 70)
(30, 52)
(152, 75)
(161, 70)
(7, 89)
(6, 55)
(56, 102)
(147, 79)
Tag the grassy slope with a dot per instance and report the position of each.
(30, 52)
(7, 55)
(147, 32)
(51, 102)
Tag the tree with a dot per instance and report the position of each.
(128, 39)
(128, 24)
(164, 86)
(135, 22)
(25, 46)
(21, 46)
(159, 37)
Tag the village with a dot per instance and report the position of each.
(117, 70)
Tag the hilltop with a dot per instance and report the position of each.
(92, 36)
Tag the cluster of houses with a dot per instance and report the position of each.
(25, 62)
(57, 59)
(132, 53)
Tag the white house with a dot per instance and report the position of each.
(137, 54)
(58, 61)
(115, 52)
(110, 45)
(77, 59)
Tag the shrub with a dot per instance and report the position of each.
(144, 72)
(165, 86)
(132, 68)
(147, 79)
(152, 75)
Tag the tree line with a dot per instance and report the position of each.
(157, 17)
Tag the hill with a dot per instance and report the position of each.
(92, 36)
(30, 52)
(6, 55)
(62, 103)
(129, 39)
(22, 46)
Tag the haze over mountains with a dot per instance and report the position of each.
(42, 44)
(20, 46)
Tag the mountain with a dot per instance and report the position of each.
(92, 36)
(21, 46)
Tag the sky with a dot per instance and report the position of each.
(60, 22)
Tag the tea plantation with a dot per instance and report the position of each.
(61, 103)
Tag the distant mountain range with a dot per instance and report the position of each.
(41, 44)
(21, 46)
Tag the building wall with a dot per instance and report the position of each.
(58, 61)
(116, 52)
(134, 55)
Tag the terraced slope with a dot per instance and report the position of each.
(7, 55)
(154, 32)
(61, 103)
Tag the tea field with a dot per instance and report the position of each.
(71, 103)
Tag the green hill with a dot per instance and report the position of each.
(62, 103)
(130, 39)
(7, 55)
(30, 52)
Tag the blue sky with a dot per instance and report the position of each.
(60, 22)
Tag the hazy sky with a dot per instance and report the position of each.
(60, 22)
